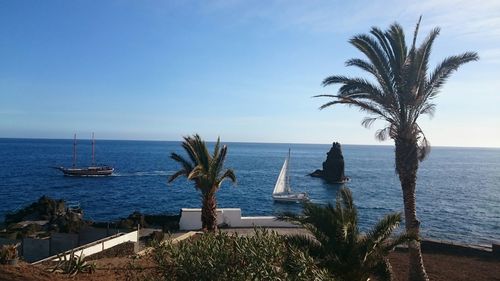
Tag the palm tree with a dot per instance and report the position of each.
(338, 244)
(207, 172)
(402, 90)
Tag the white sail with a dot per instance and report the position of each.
(282, 191)
(283, 184)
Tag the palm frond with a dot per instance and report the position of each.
(197, 172)
(428, 108)
(369, 107)
(383, 270)
(382, 134)
(184, 163)
(177, 174)
(415, 33)
(346, 199)
(373, 51)
(289, 216)
(396, 37)
(335, 79)
(444, 69)
(218, 161)
(424, 147)
(305, 242)
(398, 241)
(356, 86)
(228, 174)
(384, 228)
(200, 148)
(368, 121)
(188, 145)
(216, 148)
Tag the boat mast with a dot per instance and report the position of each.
(74, 150)
(287, 186)
(93, 150)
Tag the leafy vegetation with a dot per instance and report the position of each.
(402, 90)
(8, 253)
(207, 172)
(73, 265)
(338, 245)
(219, 256)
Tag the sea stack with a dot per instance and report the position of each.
(333, 167)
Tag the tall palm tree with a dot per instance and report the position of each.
(207, 172)
(338, 244)
(402, 89)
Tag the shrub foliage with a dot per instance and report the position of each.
(219, 256)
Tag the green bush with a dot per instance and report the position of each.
(219, 256)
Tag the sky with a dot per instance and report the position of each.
(242, 70)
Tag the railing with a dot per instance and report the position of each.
(96, 246)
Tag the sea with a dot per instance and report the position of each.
(458, 189)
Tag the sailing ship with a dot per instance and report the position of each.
(93, 170)
(282, 190)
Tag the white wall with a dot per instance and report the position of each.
(191, 219)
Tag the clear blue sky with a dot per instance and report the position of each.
(244, 70)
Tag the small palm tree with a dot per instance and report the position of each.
(402, 89)
(338, 244)
(207, 172)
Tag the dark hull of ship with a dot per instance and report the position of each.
(87, 172)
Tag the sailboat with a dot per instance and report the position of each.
(282, 190)
(93, 170)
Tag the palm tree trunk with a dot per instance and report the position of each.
(209, 212)
(406, 167)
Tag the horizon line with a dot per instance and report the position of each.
(248, 142)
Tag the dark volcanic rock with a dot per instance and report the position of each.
(59, 217)
(333, 167)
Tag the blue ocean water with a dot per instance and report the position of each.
(458, 190)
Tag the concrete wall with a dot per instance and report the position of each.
(90, 234)
(495, 249)
(61, 242)
(191, 219)
(35, 249)
(98, 246)
(5, 241)
(436, 246)
(103, 244)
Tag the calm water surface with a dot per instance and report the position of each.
(458, 190)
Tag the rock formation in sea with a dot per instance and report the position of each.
(333, 167)
(46, 214)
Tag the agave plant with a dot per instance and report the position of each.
(339, 246)
(207, 172)
(73, 265)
